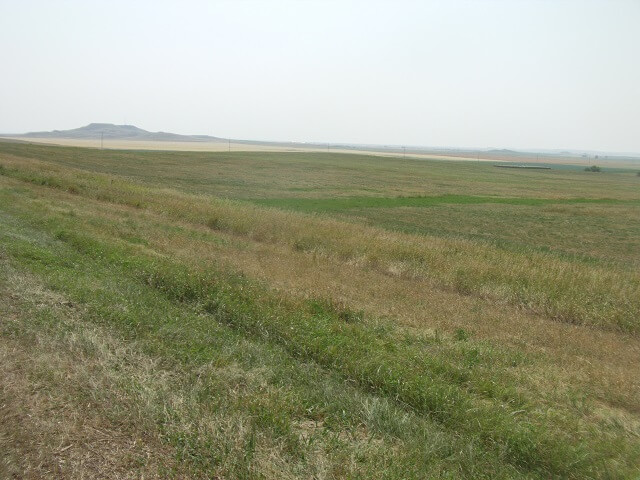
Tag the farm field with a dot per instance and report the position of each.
(245, 146)
(315, 315)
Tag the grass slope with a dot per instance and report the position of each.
(346, 203)
(236, 374)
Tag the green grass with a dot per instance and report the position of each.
(263, 175)
(248, 376)
(384, 192)
(140, 295)
(336, 205)
(585, 229)
(607, 234)
(560, 288)
(157, 306)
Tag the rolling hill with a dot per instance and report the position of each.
(109, 131)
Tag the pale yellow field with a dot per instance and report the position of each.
(223, 146)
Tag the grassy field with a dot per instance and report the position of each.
(556, 160)
(315, 315)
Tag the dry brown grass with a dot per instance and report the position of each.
(78, 402)
(45, 434)
(606, 363)
(558, 288)
(52, 422)
(411, 280)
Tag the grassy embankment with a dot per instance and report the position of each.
(201, 314)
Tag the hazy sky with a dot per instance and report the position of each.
(513, 74)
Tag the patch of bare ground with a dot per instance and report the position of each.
(51, 423)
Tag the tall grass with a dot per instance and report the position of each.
(388, 399)
(568, 291)
(378, 361)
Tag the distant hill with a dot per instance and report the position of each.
(505, 151)
(109, 131)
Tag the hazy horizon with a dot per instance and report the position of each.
(523, 75)
(576, 151)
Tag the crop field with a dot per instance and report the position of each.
(287, 315)
(225, 145)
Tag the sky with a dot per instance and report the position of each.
(475, 74)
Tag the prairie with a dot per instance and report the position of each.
(316, 315)
(223, 145)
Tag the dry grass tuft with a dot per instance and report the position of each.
(52, 422)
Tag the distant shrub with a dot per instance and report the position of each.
(637, 173)
(593, 168)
